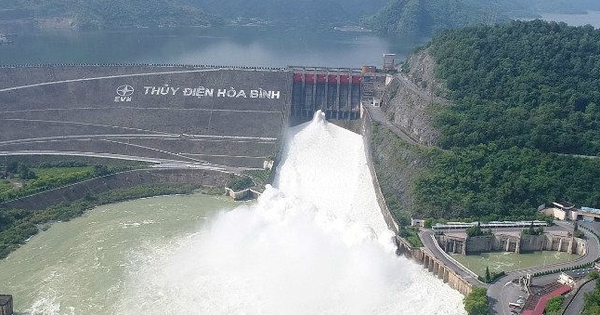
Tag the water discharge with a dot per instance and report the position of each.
(316, 244)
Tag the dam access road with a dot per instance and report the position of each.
(504, 290)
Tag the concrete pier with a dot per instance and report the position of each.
(428, 260)
(6, 304)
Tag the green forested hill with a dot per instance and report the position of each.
(526, 84)
(110, 13)
(525, 101)
(293, 11)
(427, 17)
(136, 13)
(424, 17)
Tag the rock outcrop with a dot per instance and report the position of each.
(412, 96)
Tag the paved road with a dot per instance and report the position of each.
(576, 305)
(378, 116)
(497, 294)
(423, 93)
(431, 244)
(158, 163)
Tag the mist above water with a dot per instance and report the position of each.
(316, 244)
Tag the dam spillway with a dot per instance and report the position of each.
(335, 92)
(315, 243)
(231, 116)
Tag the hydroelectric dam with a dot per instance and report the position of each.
(222, 116)
(198, 124)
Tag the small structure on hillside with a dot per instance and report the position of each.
(566, 279)
(417, 222)
(368, 69)
(561, 211)
(567, 211)
(6, 304)
(389, 62)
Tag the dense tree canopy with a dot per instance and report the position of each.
(476, 302)
(592, 301)
(524, 98)
(424, 17)
(136, 13)
(526, 84)
(293, 11)
(111, 13)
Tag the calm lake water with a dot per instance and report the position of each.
(241, 46)
(265, 46)
(591, 18)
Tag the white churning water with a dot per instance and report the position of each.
(317, 244)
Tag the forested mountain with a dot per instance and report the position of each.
(137, 13)
(525, 98)
(289, 11)
(109, 13)
(427, 17)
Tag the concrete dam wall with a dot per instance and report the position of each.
(230, 116)
(94, 186)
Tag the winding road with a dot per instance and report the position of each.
(499, 298)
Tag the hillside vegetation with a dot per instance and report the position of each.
(163, 13)
(428, 17)
(424, 17)
(110, 13)
(293, 11)
(524, 112)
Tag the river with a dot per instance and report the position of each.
(263, 46)
(315, 244)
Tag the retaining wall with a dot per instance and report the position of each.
(519, 244)
(435, 266)
(420, 255)
(128, 179)
(366, 130)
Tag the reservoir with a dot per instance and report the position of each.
(259, 46)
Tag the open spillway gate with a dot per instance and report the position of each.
(338, 92)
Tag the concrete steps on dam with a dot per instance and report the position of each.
(189, 114)
(223, 115)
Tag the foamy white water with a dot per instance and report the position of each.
(317, 244)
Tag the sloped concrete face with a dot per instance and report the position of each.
(231, 117)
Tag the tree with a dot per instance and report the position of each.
(488, 278)
(101, 170)
(554, 304)
(577, 232)
(25, 172)
(476, 302)
(12, 167)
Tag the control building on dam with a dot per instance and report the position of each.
(227, 116)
